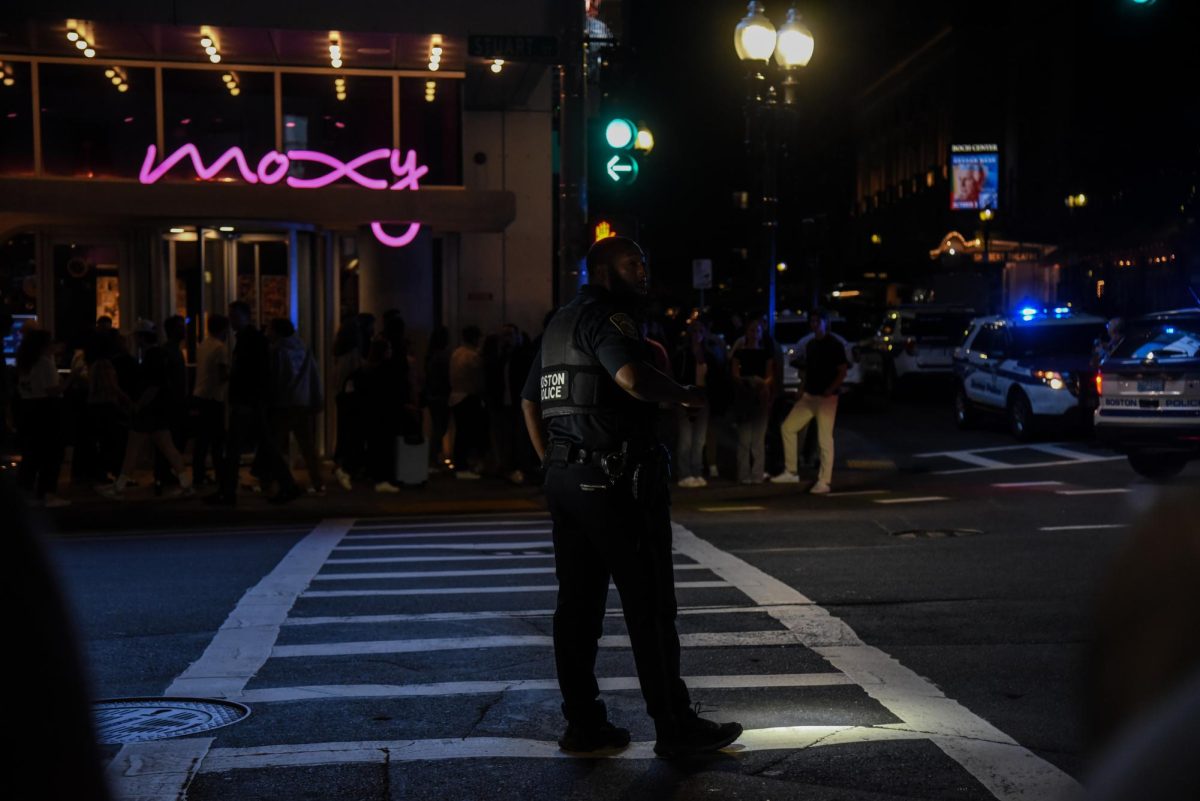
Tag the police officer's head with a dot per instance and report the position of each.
(618, 265)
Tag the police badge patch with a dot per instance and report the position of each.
(625, 325)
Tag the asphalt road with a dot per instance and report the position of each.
(918, 634)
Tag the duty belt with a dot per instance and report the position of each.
(611, 462)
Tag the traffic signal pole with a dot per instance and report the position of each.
(572, 173)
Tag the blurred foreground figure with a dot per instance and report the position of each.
(1142, 689)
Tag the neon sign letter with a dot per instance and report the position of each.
(274, 166)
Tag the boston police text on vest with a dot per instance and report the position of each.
(554, 385)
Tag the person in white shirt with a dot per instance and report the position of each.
(211, 392)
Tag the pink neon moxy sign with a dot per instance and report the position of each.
(273, 168)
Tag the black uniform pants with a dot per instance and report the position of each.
(603, 533)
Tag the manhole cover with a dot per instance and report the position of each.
(135, 720)
(935, 533)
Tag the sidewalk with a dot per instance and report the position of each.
(139, 511)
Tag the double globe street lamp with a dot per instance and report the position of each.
(756, 40)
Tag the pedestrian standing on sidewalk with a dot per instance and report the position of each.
(826, 366)
(691, 368)
(39, 418)
(176, 392)
(348, 358)
(435, 395)
(380, 400)
(596, 392)
(152, 410)
(247, 401)
(466, 404)
(213, 361)
(296, 398)
(753, 369)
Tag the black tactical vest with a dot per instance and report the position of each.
(573, 382)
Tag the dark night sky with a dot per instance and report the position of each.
(689, 89)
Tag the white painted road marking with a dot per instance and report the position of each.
(925, 499)
(685, 585)
(1108, 491)
(459, 524)
(1084, 527)
(451, 546)
(505, 571)
(429, 535)
(708, 639)
(442, 689)
(1023, 484)
(1008, 770)
(512, 614)
(982, 463)
(731, 508)
(162, 770)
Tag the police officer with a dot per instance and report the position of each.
(595, 393)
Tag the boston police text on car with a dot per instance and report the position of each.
(1149, 389)
(1034, 364)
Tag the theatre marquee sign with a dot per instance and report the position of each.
(273, 168)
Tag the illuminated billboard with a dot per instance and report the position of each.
(974, 177)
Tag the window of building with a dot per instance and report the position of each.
(216, 110)
(314, 118)
(86, 286)
(91, 127)
(18, 275)
(16, 118)
(432, 127)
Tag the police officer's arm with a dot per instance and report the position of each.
(531, 409)
(644, 382)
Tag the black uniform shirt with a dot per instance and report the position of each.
(611, 336)
(823, 357)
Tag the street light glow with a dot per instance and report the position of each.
(794, 45)
(754, 37)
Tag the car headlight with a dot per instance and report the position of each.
(1052, 379)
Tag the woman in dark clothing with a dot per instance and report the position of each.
(380, 400)
(349, 453)
(39, 418)
(693, 362)
(753, 368)
(436, 393)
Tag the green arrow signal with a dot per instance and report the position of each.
(622, 169)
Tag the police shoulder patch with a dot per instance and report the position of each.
(625, 325)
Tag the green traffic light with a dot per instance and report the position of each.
(620, 134)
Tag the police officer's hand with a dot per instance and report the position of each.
(695, 398)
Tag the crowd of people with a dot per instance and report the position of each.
(254, 391)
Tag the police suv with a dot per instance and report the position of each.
(1034, 364)
(1149, 387)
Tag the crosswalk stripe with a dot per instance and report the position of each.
(451, 546)
(1084, 527)
(386, 560)
(512, 614)
(441, 689)
(507, 571)
(681, 585)
(1021, 484)
(459, 524)
(224, 760)
(913, 500)
(428, 535)
(1107, 491)
(718, 639)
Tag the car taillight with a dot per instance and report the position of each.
(910, 347)
(1099, 383)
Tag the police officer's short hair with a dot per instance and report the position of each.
(606, 252)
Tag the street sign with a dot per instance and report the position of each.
(536, 49)
(701, 273)
(622, 169)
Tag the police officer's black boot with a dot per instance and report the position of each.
(593, 734)
(688, 734)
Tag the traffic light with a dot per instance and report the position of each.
(617, 163)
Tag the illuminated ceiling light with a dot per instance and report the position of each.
(226, 228)
(72, 36)
(109, 73)
(497, 65)
(215, 58)
(209, 50)
(206, 41)
(9, 81)
(436, 50)
(81, 44)
(177, 230)
(89, 53)
(123, 87)
(235, 91)
(433, 67)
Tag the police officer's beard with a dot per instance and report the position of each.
(627, 295)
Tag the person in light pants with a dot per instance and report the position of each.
(825, 370)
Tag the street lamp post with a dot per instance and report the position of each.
(755, 39)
